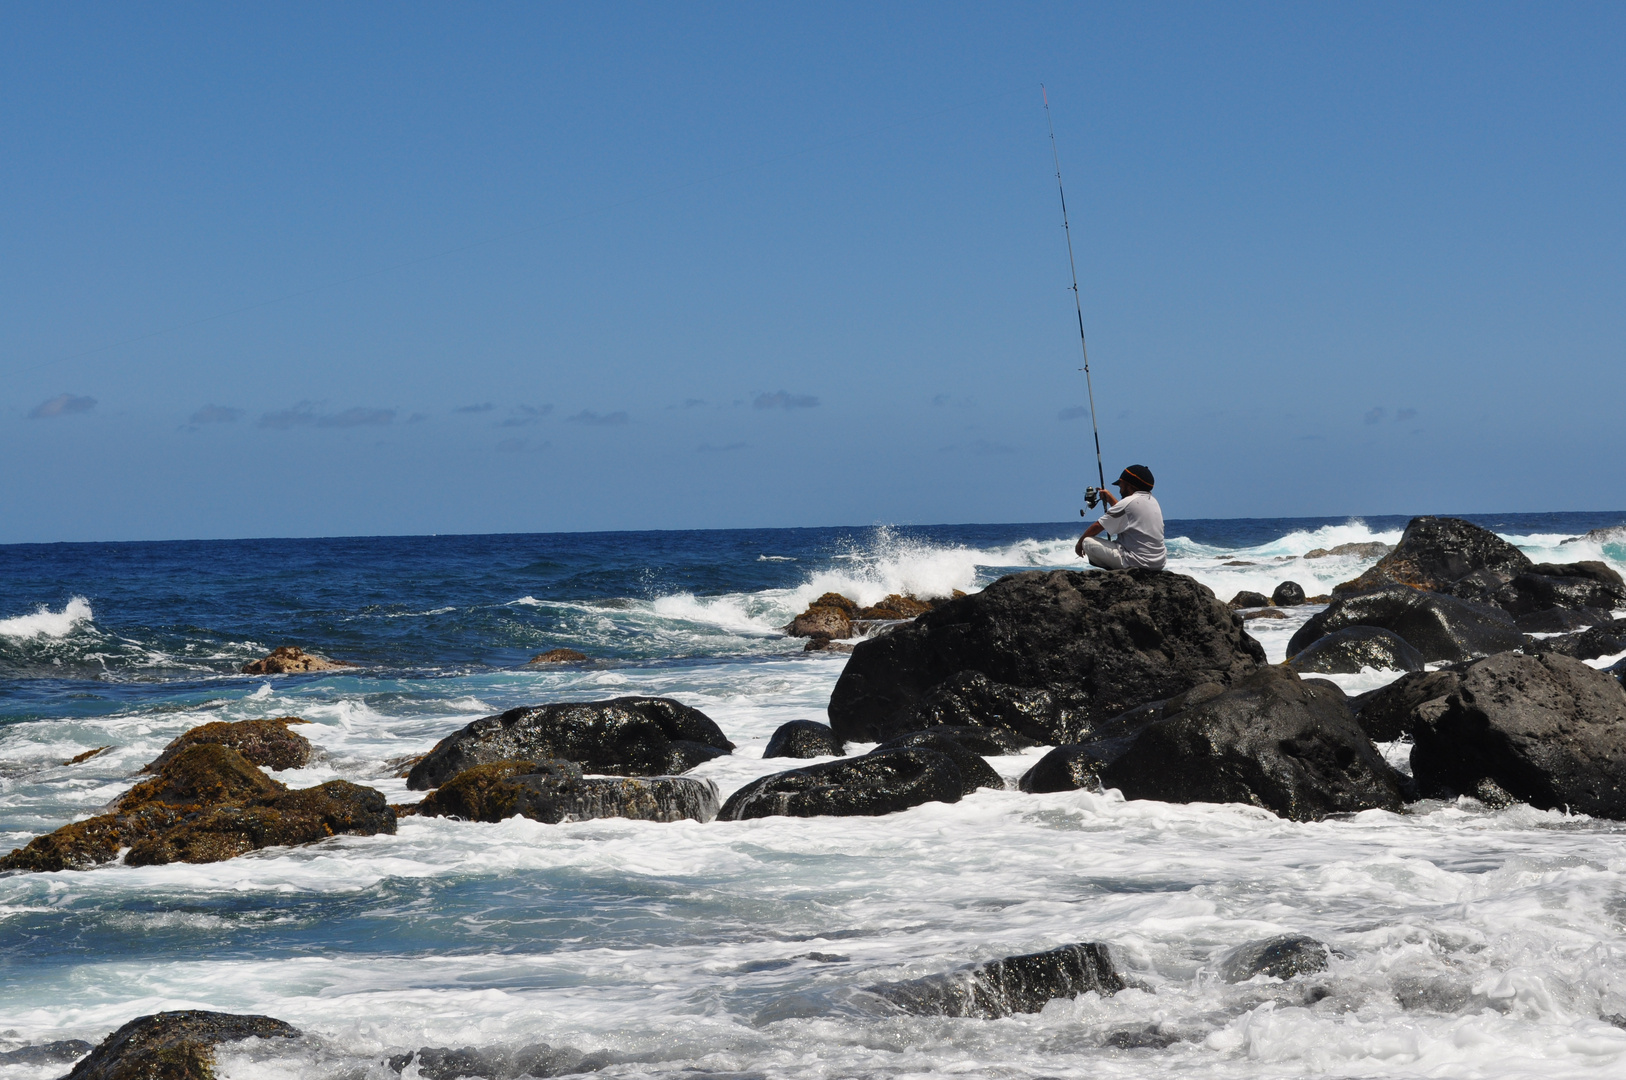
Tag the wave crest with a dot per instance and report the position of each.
(47, 623)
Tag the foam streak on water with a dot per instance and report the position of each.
(1469, 943)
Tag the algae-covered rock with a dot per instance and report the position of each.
(267, 743)
(174, 1045)
(556, 791)
(1016, 984)
(291, 660)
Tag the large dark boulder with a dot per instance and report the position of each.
(1607, 638)
(1249, 599)
(1272, 740)
(1579, 585)
(1288, 594)
(804, 739)
(1281, 957)
(1439, 554)
(628, 736)
(1066, 768)
(874, 784)
(206, 803)
(971, 699)
(1438, 626)
(1347, 651)
(1546, 729)
(1385, 714)
(556, 791)
(974, 771)
(266, 743)
(1096, 642)
(173, 1045)
(1557, 620)
(1016, 984)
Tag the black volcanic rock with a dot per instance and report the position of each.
(1439, 627)
(1560, 620)
(1288, 594)
(1579, 585)
(1347, 651)
(1097, 642)
(878, 783)
(1546, 729)
(974, 772)
(1605, 639)
(1066, 768)
(1248, 599)
(804, 739)
(173, 1045)
(1446, 555)
(1016, 984)
(971, 699)
(1272, 740)
(555, 791)
(1280, 957)
(628, 736)
(1386, 713)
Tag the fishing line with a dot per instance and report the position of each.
(1078, 305)
(514, 234)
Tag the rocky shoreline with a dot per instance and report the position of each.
(1141, 681)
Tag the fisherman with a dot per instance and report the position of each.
(1134, 519)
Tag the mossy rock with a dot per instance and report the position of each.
(267, 743)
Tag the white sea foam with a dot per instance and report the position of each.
(47, 623)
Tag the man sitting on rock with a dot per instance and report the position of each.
(1134, 519)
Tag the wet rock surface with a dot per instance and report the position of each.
(1246, 599)
(556, 791)
(974, 771)
(1096, 642)
(804, 739)
(628, 736)
(1565, 586)
(499, 1063)
(52, 1053)
(1273, 740)
(266, 743)
(1281, 957)
(1560, 620)
(207, 803)
(1347, 651)
(173, 1045)
(1440, 627)
(1546, 729)
(1288, 594)
(1370, 549)
(1606, 638)
(894, 606)
(971, 699)
(291, 660)
(1066, 768)
(558, 656)
(1016, 984)
(877, 783)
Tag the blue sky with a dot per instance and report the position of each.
(370, 269)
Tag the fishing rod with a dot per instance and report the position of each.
(1090, 494)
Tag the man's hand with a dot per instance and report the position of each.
(1108, 497)
(1094, 530)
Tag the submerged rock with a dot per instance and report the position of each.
(1272, 740)
(1347, 651)
(173, 1045)
(1546, 729)
(1096, 642)
(291, 660)
(556, 791)
(804, 739)
(1247, 599)
(558, 656)
(878, 783)
(206, 803)
(51, 1053)
(1281, 957)
(1263, 613)
(1444, 555)
(628, 736)
(499, 1063)
(1066, 768)
(266, 743)
(822, 643)
(1288, 594)
(974, 772)
(1439, 627)
(1016, 984)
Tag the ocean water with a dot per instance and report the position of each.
(1470, 943)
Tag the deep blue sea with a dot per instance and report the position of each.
(1471, 942)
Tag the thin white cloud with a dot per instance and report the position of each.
(594, 419)
(62, 405)
(782, 400)
(305, 415)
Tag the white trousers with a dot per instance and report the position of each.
(1104, 553)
